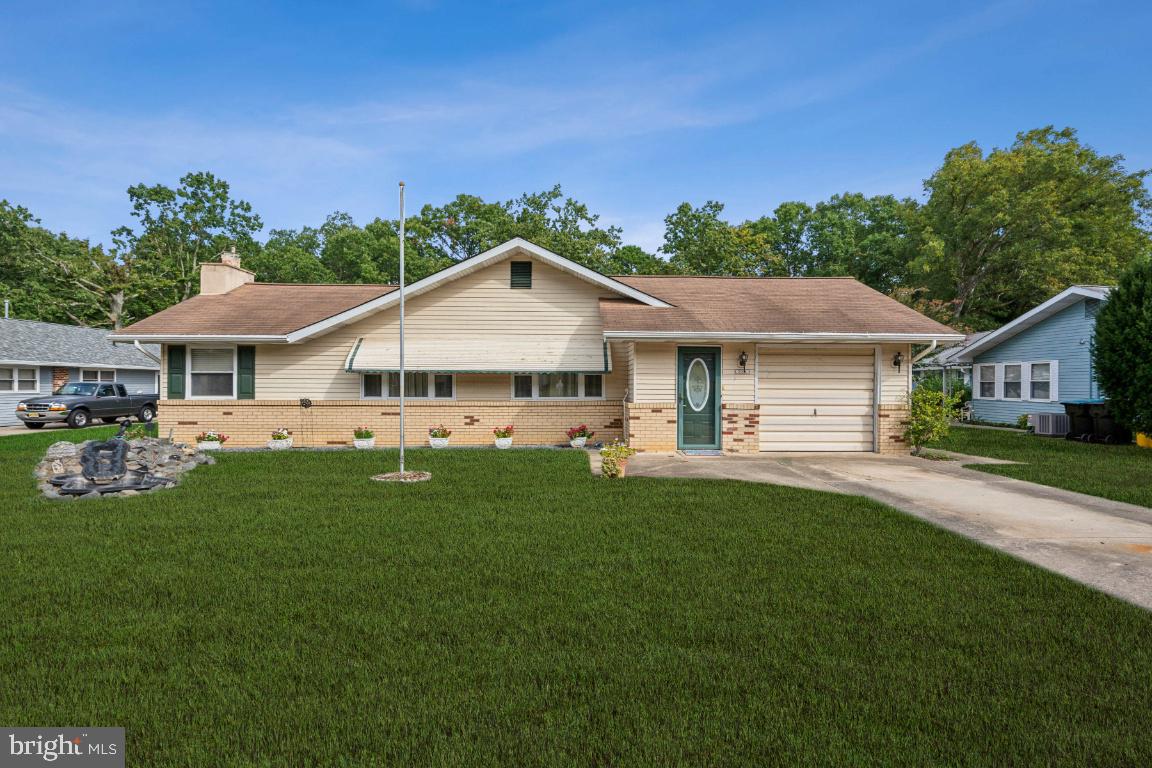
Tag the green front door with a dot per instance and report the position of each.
(698, 396)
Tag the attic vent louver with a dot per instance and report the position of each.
(521, 274)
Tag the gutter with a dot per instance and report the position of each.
(809, 337)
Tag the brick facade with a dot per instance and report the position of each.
(59, 378)
(651, 426)
(893, 421)
(330, 422)
(740, 427)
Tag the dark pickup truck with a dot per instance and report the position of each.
(78, 403)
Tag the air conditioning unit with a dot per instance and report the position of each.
(1051, 424)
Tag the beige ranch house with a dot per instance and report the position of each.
(519, 335)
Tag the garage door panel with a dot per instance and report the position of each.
(812, 447)
(777, 409)
(816, 399)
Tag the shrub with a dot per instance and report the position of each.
(211, 436)
(507, 431)
(1022, 421)
(439, 431)
(1122, 348)
(930, 413)
(280, 434)
(363, 433)
(612, 458)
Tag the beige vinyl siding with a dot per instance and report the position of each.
(738, 386)
(655, 372)
(817, 398)
(894, 383)
(479, 323)
(627, 350)
(479, 311)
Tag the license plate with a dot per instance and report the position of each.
(35, 415)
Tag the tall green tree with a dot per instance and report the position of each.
(1122, 348)
(699, 242)
(1001, 232)
(180, 228)
(468, 225)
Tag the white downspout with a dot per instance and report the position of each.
(923, 354)
(144, 351)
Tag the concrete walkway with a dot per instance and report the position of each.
(1105, 544)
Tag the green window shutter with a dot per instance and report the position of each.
(177, 354)
(521, 274)
(246, 373)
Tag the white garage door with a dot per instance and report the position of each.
(816, 398)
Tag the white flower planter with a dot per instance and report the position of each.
(364, 443)
(280, 445)
(503, 443)
(438, 442)
(209, 445)
(578, 442)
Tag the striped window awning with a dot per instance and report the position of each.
(459, 355)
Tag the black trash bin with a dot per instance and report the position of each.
(1080, 423)
(1105, 427)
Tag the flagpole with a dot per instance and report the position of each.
(402, 328)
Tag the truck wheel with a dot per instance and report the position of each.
(146, 413)
(79, 418)
(34, 424)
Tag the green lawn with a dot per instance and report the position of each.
(283, 610)
(1122, 473)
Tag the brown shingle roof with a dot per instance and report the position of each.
(763, 305)
(256, 309)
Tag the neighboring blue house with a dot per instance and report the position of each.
(36, 358)
(1039, 359)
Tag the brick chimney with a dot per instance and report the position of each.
(222, 276)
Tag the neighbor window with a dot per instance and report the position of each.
(89, 374)
(1012, 381)
(1041, 384)
(212, 373)
(988, 381)
(570, 386)
(417, 385)
(18, 380)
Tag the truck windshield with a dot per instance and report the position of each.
(77, 389)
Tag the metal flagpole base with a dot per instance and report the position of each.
(403, 477)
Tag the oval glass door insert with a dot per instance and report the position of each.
(697, 383)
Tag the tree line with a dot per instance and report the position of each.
(994, 234)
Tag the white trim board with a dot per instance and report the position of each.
(1060, 301)
(468, 265)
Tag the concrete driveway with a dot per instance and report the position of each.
(1105, 544)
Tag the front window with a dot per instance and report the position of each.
(212, 373)
(89, 374)
(570, 386)
(18, 380)
(1041, 383)
(988, 381)
(417, 385)
(1012, 381)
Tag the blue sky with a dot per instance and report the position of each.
(307, 108)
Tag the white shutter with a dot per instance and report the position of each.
(1054, 376)
(999, 381)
